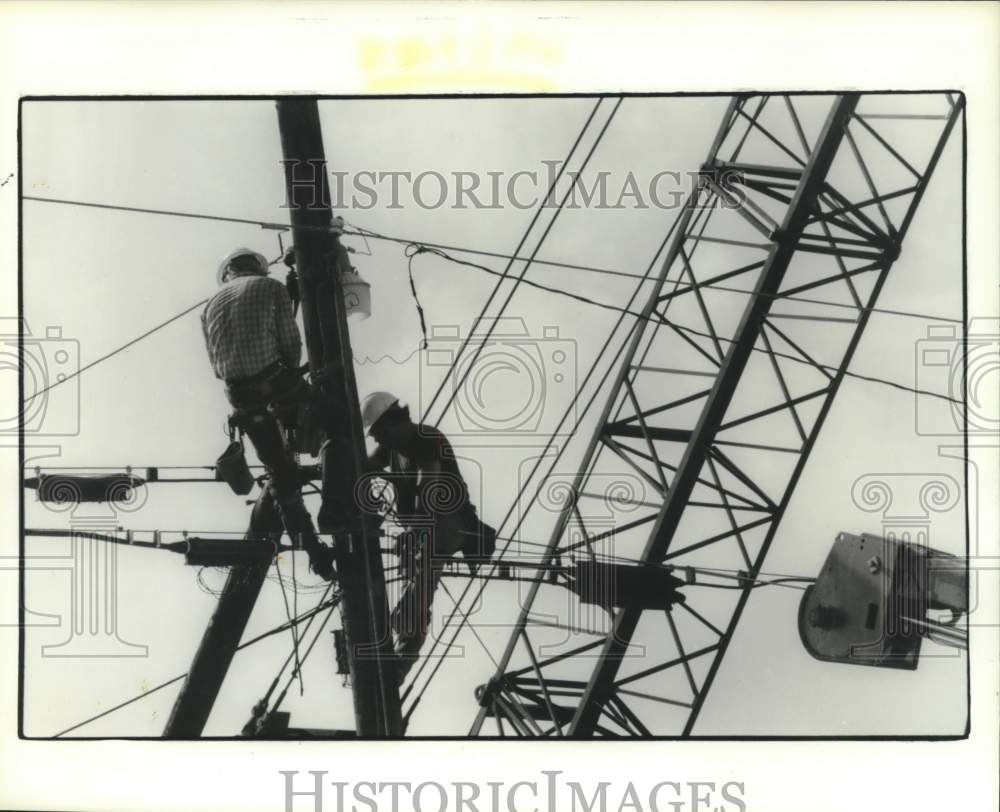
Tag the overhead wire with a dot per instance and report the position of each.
(441, 250)
(366, 234)
(297, 671)
(510, 264)
(625, 559)
(783, 582)
(276, 630)
(419, 248)
(356, 231)
(481, 589)
(262, 705)
(114, 352)
(624, 312)
(545, 233)
(517, 500)
(434, 247)
(659, 318)
(555, 461)
(233, 219)
(742, 577)
(289, 615)
(423, 248)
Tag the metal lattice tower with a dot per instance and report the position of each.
(717, 405)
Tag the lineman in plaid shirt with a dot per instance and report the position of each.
(254, 346)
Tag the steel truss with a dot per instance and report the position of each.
(717, 405)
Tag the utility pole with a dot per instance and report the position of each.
(364, 607)
(320, 260)
(218, 645)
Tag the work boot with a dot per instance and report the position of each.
(331, 518)
(321, 562)
(297, 521)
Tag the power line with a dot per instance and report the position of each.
(441, 250)
(357, 232)
(129, 541)
(555, 461)
(408, 243)
(262, 705)
(884, 311)
(423, 248)
(418, 248)
(510, 263)
(661, 319)
(524, 271)
(276, 630)
(114, 352)
(297, 671)
(162, 212)
(365, 233)
(571, 266)
(482, 587)
(290, 614)
(751, 584)
(623, 311)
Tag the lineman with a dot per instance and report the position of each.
(432, 505)
(254, 346)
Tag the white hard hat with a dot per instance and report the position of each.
(240, 252)
(376, 405)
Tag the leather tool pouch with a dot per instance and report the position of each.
(231, 467)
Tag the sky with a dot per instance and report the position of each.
(104, 277)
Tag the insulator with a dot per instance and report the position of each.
(609, 584)
(67, 488)
(228, 552)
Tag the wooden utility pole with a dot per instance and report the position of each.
(319, 260)
(218, 645)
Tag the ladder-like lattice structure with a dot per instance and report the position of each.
(755, 315)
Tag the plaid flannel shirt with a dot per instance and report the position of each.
(248, 325)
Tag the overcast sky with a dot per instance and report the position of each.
(104, 277)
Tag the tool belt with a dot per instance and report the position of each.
(279, 390)
(414, 546)
(276, 382)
